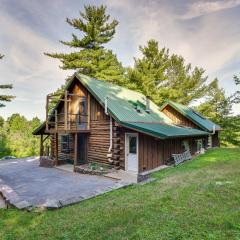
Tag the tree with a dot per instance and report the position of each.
(218, 108)
(216, 105)
(91, 58)
(19, 140)
(163, 76)
(5, 98)
(236, 96)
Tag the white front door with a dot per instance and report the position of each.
(131, 157)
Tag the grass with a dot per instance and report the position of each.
(199, 199)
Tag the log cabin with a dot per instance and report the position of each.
(98, 122)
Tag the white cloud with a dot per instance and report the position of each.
(33, 75)
(201, 8)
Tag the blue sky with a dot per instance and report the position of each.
(205, 33)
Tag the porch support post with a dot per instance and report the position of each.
(56, 148)
(41, 146)
(75, 149)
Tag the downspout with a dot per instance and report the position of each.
(109, 155)
(214, 130)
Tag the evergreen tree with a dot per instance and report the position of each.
(216, 105)
(5, 98)
(163, 76)
(218, 108)
(90, 57)
(237, 94)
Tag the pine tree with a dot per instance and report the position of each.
(163, 76)
(90, 57)
(218, 108)
(5, 98)
(236, 96)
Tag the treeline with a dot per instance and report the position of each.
(16, 136)
(159, 74)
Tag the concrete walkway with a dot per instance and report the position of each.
(24, 184)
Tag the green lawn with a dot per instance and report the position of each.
(199, 199)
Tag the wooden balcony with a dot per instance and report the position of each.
(71, 114)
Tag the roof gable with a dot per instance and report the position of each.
(195, 117)
(122, 101)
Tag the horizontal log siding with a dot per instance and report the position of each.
(178, 118)
(98, 144)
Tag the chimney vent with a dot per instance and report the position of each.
(147, 104)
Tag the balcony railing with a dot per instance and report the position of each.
(73, 122)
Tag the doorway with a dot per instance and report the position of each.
(81, 149)
(131, 152)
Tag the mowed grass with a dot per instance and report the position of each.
(199, 199)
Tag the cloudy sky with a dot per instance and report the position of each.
(205, 33)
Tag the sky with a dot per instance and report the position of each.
(205, 33)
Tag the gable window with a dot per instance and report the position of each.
(65, 143)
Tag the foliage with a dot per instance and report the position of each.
(218, 108)
(91, 58)
(5, 98)
(237, 94)
(195, 200)
(163, 76)
(17, 138)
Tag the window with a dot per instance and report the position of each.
(132, 145)
(65, 144)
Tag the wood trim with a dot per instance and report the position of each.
(88, 105)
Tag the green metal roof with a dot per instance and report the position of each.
(199, 120)
(164, 130)
(122, 106)
(122, 101)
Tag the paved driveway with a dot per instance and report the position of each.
(24, 183)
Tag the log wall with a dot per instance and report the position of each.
(98, 143)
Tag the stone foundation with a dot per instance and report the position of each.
(47, 162)
(85, 169)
